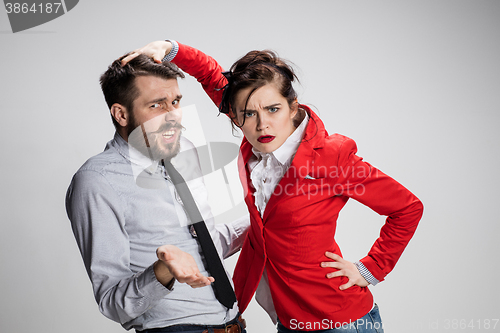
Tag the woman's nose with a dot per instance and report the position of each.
(262, 122)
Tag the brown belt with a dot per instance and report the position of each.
(231, 328)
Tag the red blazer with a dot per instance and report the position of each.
(299, 221)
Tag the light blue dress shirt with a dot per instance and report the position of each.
(122, 208)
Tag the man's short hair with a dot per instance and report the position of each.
(118, 83)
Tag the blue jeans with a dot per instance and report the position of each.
(369, 323)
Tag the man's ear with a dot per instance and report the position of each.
(120, 114)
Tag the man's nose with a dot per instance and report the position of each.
(172, 114)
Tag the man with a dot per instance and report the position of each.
(134, 232)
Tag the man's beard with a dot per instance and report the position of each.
(151, 144)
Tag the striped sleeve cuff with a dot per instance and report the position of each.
(366, 273)
(173, 52)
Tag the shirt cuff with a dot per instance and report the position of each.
(173, 52)
(366, 273)
(241, 225)
(150, 287)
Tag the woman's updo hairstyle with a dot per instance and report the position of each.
(254, 70)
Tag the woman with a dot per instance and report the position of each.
(296, 179)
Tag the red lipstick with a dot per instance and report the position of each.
(265, 138)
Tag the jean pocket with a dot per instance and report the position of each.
(377, 325)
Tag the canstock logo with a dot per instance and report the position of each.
(28, 14)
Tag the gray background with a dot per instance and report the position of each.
(415, 83)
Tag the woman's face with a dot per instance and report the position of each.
(268, 117)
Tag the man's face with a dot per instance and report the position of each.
(155, 121)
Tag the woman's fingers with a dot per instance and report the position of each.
(347, 285)
(155, 50)
(333, 256)
(129, 57)
(344, 268)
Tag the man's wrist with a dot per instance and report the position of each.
(170, 285)
(163, 274)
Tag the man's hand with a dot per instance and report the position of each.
(174, 263)
(155, 50)
(345, 268)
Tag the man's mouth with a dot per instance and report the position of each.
(169, 135)
(265, 138)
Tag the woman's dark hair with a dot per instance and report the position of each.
(254, 70)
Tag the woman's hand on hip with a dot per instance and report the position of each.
(344, 268)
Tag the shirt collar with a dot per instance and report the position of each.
(137, 159)
(288, 149)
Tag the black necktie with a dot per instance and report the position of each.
(222, 287)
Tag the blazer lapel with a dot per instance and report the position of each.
(298, 170)
(301, 166)
(302, 163)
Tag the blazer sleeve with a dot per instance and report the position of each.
(370, 186)
(204, 68)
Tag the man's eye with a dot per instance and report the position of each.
(175, 102)
(248, 114)
(272, 110)
(162, 105)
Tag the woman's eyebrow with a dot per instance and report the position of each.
(272, 106)
(265, 107)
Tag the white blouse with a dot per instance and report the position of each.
(266, 170)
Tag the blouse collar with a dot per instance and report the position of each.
(288, 149)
